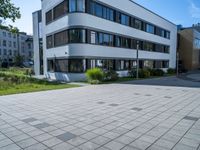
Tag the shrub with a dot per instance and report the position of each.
(132, 73)
(144, 73)
(110, 75)
(157, 72)
(171, 71)
(95, 75)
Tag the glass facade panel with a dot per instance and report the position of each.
(61, 38)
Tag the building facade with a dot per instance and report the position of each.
(12, 45)
(83, 34)
(189, 48)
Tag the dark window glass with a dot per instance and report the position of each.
(49, 41)
(126, 43)
(165, 64)
(98, 10)
(118, 41)
(167, 34)
(148, 46)
(61, 65)
(77, 36)
(60, 10)
(150, 28)
(119, 65)
(111, 41)
(106, 39)
(72, 5)
(124, 19)
(92, 8)
(61, 38)
(101, 38)
(49, 17)
(76, 66)
(50, 65)
(110, 14)
(137, 24)
(104, 12)
(166, 49)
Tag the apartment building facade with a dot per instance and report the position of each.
(12, 45)
(189, 48)
(83, 34)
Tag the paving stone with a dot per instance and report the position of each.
(63, 146)
(11, 147)
(66, 136)
(191, 118)
(42, 125)
(5, 142)
(100, 140)
(114, 145)
(52, 142)
(140, 144)
(114, 105)
(136, 109)
(124, 139)
(28, 120)
(43, 137)
(38, 146)
(27, 142)
(183, 147)
(88, 146)
(77, 141)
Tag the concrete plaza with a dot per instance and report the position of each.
(103, 117)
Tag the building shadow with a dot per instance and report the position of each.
(165, 81)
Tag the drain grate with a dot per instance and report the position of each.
(191, 118)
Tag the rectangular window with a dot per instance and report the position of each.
(60, 10)
(14, 44)
(118, 41)
(126, 43)
(49, 41)
(4, 52)
(49, 17)
(4, 43)
(77, 36)
(137, 24)
(167, 34)
(76, 66)
(51, 65)
(150, 28)
(61, 65)
(125, 19)
(98, 10)
(106, 39)
(61, 38)
(0, 51)
(76, 6)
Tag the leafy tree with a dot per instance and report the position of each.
(18, 61)
(8, 10)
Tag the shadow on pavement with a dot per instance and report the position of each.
(165, 81)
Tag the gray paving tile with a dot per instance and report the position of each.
(136, 109)
(100, 140)
(28, 120)
(5, 142)
(88, 146)
(11, 147)
(66, 136)
(114, 145)
(38, 146)
(63, 146)
(52, 142)
(191, 118)
(26, 143)
(42, 125)
(113, 105)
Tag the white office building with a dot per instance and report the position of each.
(82, 34)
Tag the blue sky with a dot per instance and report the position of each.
(185, 12)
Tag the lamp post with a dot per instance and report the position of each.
(177, 64)
(137, 58)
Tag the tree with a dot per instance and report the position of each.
(8, 10)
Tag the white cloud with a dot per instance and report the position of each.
(194, 11)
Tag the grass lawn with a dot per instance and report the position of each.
(30, 87)
(15, 80)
